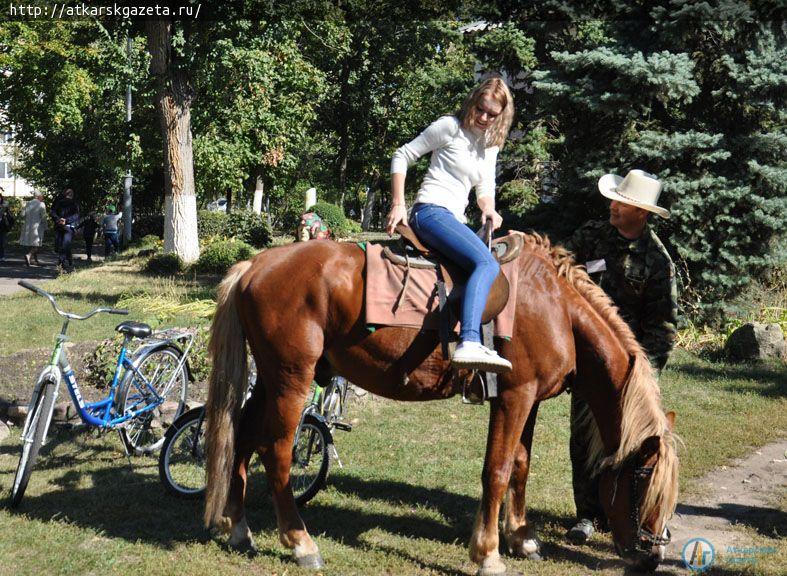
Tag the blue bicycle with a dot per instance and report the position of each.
(142, 382)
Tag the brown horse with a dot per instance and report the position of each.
(300, 308)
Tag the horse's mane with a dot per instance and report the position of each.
(642, 414)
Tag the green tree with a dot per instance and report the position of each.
(690, 91)
(63, 91)
(256, 107)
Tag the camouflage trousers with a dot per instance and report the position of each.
(586, 497)
(585, 487)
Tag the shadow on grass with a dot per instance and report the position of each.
(128, 502)
(103, 298)
(18, 269)
(767, 379)
(769, 522)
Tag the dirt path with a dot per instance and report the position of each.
(748, 493)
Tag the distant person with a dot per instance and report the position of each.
(6, 222)
(89, 227)
(109, 225)
(312, 227)
(65, 212)
(624, 256)
(34, 226)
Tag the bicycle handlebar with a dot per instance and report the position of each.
(69, 315)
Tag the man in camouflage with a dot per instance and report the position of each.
(625, 257)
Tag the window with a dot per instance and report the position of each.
(6, 137)
(5, 170)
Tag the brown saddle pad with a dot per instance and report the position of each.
(385, 276)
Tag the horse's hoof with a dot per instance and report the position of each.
(534, 556)
(310, 561)
(505, 572)
(247, 549)
(492, 566)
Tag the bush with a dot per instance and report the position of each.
(250, 227)
(219, 256)
(100, 364)
(17, 209)
(334, 218)
(147, 224)
(211, 224)
(149, 241)
(169, 263)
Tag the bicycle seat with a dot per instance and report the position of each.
(134, 329)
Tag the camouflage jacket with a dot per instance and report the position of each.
(639, 276)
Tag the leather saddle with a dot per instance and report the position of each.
(413, 254)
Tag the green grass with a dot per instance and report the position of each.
(404, 503)
(90, 288)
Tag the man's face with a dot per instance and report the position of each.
(626, 216)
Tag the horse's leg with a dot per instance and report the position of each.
(520, 536)
(506, 420)
(250, 438)
(282, 414)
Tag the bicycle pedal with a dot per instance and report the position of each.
(343, 426)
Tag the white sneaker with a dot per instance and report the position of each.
(476, 356)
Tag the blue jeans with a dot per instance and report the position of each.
(439, 229)
(64, 255)
(110, 242)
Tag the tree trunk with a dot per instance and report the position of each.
(259, 190)
(344, 129)
(371, 199)
(228, 196)
(173, 101)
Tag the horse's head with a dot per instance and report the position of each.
(638, 497)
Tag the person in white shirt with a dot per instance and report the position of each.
(464, 151)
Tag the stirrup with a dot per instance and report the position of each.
(470, 393)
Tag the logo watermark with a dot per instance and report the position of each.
(698, 554)
(746, 554)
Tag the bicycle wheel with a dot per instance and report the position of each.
(310, 460)
(31, 443)
(158, 369)
(181, 462)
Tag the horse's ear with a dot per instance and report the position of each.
(671, 420)
(649, 447)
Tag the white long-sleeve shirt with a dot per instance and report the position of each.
(459, 162)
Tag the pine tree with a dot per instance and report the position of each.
(694, 93)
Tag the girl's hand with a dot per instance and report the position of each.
(398, 214)
(497, 219)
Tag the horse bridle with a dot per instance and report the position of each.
(645, 539)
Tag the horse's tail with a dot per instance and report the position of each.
(226, 391)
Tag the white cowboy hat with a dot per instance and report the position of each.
(638, 188)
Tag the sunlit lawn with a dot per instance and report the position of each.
(403, 504)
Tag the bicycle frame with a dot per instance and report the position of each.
(101, 413)
(317, 409)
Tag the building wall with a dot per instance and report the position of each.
(11, 183)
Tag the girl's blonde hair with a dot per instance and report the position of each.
(497, 89)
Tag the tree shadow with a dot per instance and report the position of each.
(18, 269)
(128, 502)
(769, 522)
(766, 379)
